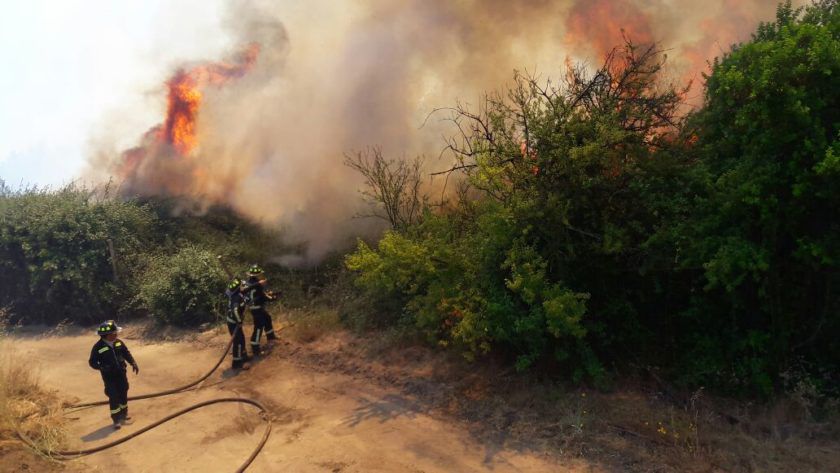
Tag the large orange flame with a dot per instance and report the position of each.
(179, 129)
(164, 160)
(184, 99)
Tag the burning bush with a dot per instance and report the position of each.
(606, 227)
(509, 269)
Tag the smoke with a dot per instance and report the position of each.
(330, 79)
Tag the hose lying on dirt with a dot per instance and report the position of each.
(70, 454)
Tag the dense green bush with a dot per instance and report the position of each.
(55, 252)
(182, 288)
(766, 229)
(85, 255)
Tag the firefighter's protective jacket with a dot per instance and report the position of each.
(236, 305)
(257, 296)
(108, 359)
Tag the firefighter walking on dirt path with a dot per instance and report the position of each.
(235, 315)
(258, 297)
(109, 356)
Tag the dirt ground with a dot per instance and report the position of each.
(341, 403)
(323, 420)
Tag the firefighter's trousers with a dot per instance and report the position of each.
(238, 348)
(262, 325)
(116, 388)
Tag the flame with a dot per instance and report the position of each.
(601, 25)
(165, 161)
(596, 27)
(179, 129)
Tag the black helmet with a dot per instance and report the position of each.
(109, 326)
(254, 270)
(234, 284)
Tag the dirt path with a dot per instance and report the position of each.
(322, 421)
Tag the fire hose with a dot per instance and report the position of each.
(71, 454)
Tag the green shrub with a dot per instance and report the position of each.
(55, 252)
(182, 288)
(472, 292)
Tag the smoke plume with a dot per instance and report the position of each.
(265, 129)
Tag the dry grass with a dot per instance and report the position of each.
(308, 325)
(27, 407)
(777, 437)
(636, 427)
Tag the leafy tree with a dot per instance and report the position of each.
(767, 230)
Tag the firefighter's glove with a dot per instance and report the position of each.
(135, 368)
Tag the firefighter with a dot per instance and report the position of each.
(258, 297)
(109, 356)
(235, 314)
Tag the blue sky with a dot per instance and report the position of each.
(77, 71)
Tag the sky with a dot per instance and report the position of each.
(72, 68)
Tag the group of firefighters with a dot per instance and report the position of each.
(110, 356)
(250, 293)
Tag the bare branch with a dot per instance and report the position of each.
(453, 169)
(394, 186)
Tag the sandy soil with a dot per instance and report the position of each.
(323, 420)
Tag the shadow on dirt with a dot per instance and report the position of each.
(99, 434)
(388, 408)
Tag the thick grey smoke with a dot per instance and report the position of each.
(332, 78)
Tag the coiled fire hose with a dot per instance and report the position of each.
(71, 454)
